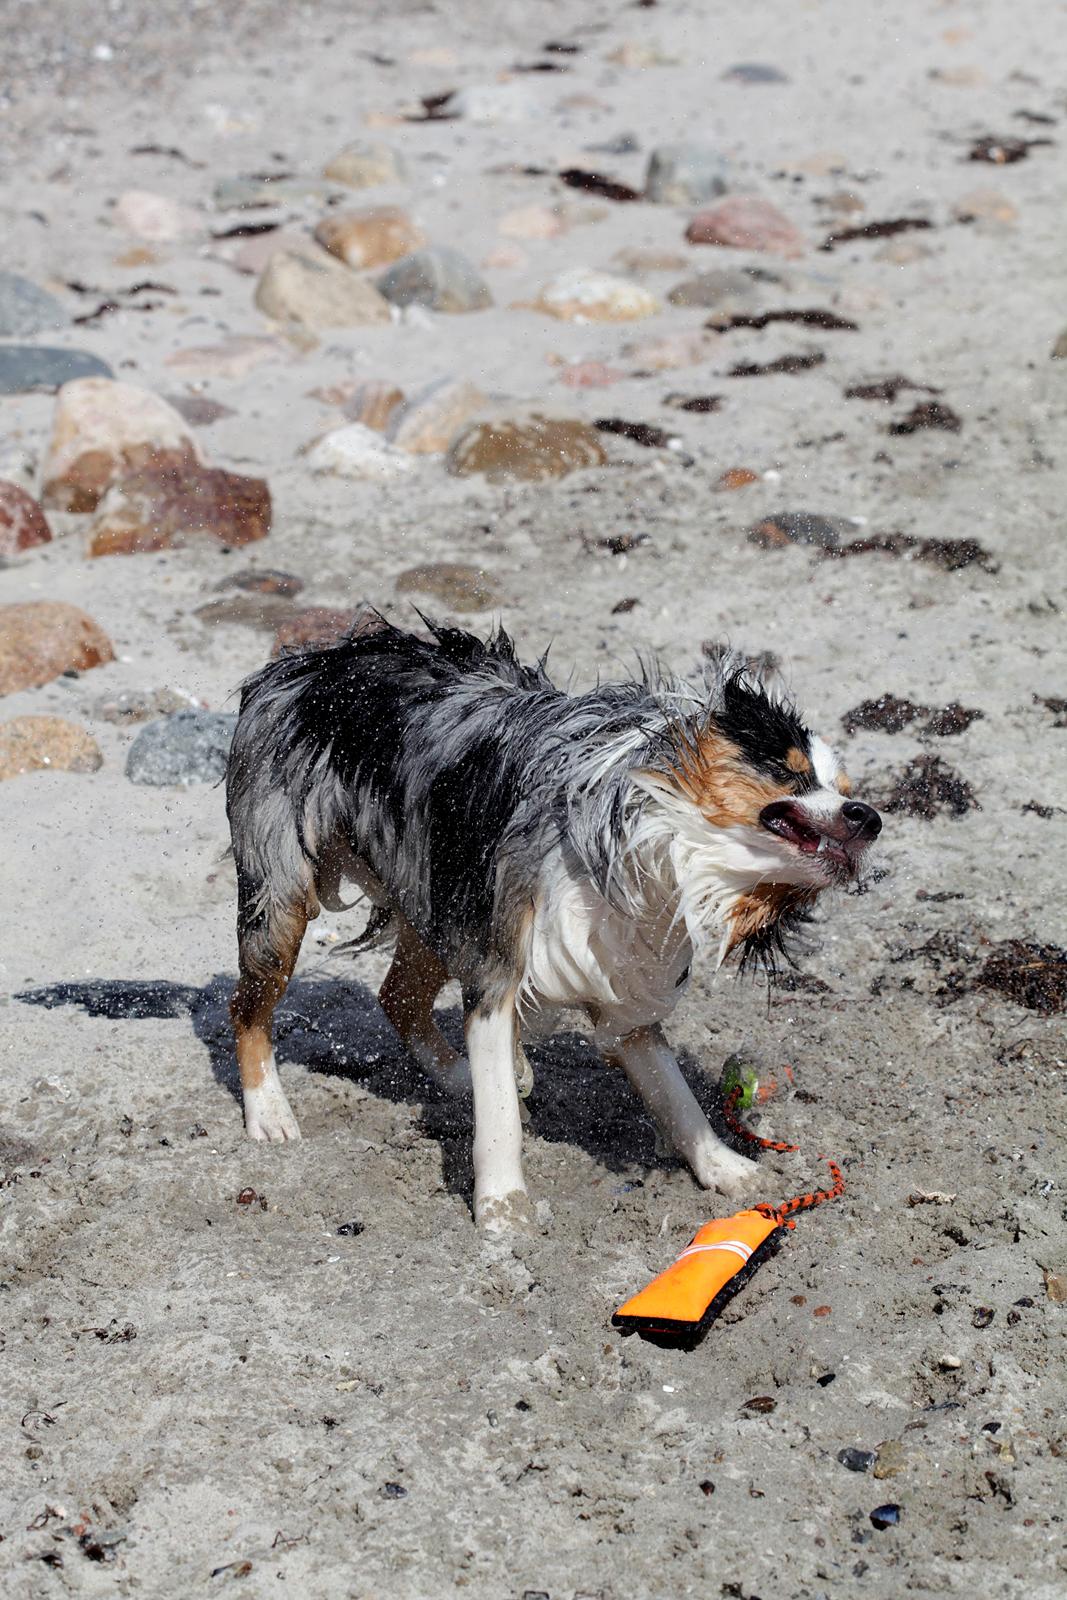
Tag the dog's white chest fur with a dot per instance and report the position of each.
(584, 951)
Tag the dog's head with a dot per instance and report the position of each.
(764, 815)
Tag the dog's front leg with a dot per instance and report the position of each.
(651, 1068)
(500, 1200)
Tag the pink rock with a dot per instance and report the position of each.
(158, 508)
(39, 639)
(590, 375)
(231, 359)
(531, 222)
(252, 255)
(22, 522)
(673, 350)
(505, 257)
(102, 430)
(745, 222)
(370, 238)
(154, 217)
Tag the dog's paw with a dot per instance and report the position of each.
(269, 1116)
(504, 1213)
(725, 1171)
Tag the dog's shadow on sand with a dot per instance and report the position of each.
(334, 1025)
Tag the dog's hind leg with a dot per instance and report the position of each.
(500, 1200)
(412, 984)
(267, 953)
(649, 1064)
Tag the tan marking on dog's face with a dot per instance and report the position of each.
(797, 761)
(713, 774)
(843, 783)
(763, 906)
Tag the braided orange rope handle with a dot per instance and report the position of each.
(801, 1202)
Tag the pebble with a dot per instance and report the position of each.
(685, 174)
(233, 358)
(669, 352)
(22, 522)
(370, 238)
(857, 1460)
(1059, 349)
(514, 101)
(533, 449)
(755, 72)
(531, 222)
(264, 611)
(314, 626)
(163, 508)
(264, 580)
(373, 403)
(356, 451)
(39, 639)
(784, 528)
(440, 279)
(590, 375)
(646, 260)
(187, 747)
(745, 222)
(581, 294)
(154, 217)
(886, 1516)
(199, 410)
(891, 1458)
(736, 478)
(430, 420)
(365, 166)
(101, 431)
(252, 255)
(721, 289)
(137, 705)
(949, 1362)
(505, 258)
(460, 587)
(28, 367)
(986, 205)
(319, 293)
(25, 309)
(253, 193)
(36, 744)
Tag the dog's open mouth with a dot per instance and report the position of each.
(839, 849)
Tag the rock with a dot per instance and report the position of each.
(460, 587)
(533, 449)
(986, 205)
(755, 72)
(27, 367)
(357, 452)
(439, 279)
(263, 611)
(514, 101)
(887, 1516)
(1059, 349)
(39, 639)
(590, 375)
(154, 217)
(188, 747)
(22, 522)
(48, 744)
(637, 54)
(856, 1460)
(581, 294)
(531, 222)
(505, 258)
(370, 238)
(252, 256)
(160, 508)
(891, 1458)
(431, 419)
(669, 352)
(253, 193)
(232, 359)
(685, 174)
(644, 260)
(199, 410)
(317, 293)
(137, 705)
(737, 478)
(101, 431)
(721, 288)
(25, 309)
(745, 222)
(903, 252)
(949, 1363)
(264, 580)
(364, 166)
(315, 626)
(784, 528)
(373, 403)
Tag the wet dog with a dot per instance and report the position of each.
(548, 850)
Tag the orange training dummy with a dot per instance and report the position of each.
(680, 1297)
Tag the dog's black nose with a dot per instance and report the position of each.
(863, 820)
